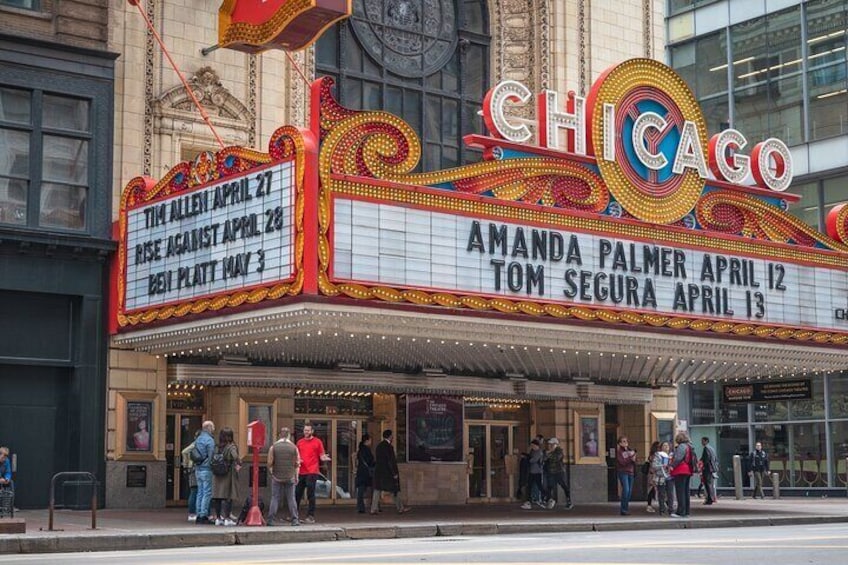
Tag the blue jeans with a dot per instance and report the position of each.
(626, 481)
(204, 490)
(192, 500)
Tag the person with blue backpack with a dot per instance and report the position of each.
(684, 464)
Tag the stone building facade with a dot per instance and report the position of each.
(543, 44)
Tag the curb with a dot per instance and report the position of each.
(21, 544)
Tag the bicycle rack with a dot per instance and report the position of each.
(84, 474)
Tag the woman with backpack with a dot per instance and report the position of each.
(225, 487)
(683, 465)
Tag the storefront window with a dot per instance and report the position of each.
(809, 455)
(775, 440)
(812, 409)
(838, 390)
(733, 413)
(777, 411)
(839, 437)
(703, 404)
(732, 440)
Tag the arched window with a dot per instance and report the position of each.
(426, 61)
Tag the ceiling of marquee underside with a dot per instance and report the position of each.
(334, 335)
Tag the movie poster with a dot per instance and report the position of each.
(139, 426)
(434, 428)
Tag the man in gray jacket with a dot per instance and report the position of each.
(283, 463)
(709, 470)
(535, 490)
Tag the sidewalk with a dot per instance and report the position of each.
(167, 528)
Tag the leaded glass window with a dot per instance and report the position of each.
(426, 61)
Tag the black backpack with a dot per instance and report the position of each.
(220, 465)
(196, 456)
(692, 459)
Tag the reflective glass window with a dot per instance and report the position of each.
(827, 73)
(838, 395)
(806, 209)
(427, 62)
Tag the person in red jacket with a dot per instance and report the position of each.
(683, 465)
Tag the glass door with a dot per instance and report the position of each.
(499, 448)
(488, 445)
(340, 438)
(179, 433)
(478, 485)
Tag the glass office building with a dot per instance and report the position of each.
(775, 69)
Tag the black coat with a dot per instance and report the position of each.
(364, 467)
(386, 475)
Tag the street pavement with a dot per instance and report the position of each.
(775, 545)
(168, 528)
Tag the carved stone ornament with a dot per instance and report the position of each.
(212, 95)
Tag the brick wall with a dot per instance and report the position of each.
(79, 23)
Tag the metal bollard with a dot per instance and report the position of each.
(737, 476)
(775, 485)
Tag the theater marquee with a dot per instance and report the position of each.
(615, 209)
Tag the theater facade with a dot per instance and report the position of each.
(606, 251)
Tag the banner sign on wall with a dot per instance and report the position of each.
(434, 428)
(768, 392)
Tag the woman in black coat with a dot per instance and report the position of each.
(364, 471)
(386, 475)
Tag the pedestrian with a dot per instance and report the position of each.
(5, 468)
(283, 464)
(312, 454)
(535, 490)
(759, 466)
(523, 489)
(188, 471)
(649, 472)
(225, 487)
(625, 467)
(709, 471)
(364, 472)
(204, 445)
(386, 475)
(683, 465)
(555, 475)
(661, 478)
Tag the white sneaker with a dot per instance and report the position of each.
(219, 522)
(675, 515)
(526, 506)
(649, 509)
(192, 517)
(551, 504)
(229, 522)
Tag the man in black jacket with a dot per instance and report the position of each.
(759, 465)
(709, 470)
(386, 475)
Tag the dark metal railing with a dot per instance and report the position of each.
(84, 474)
